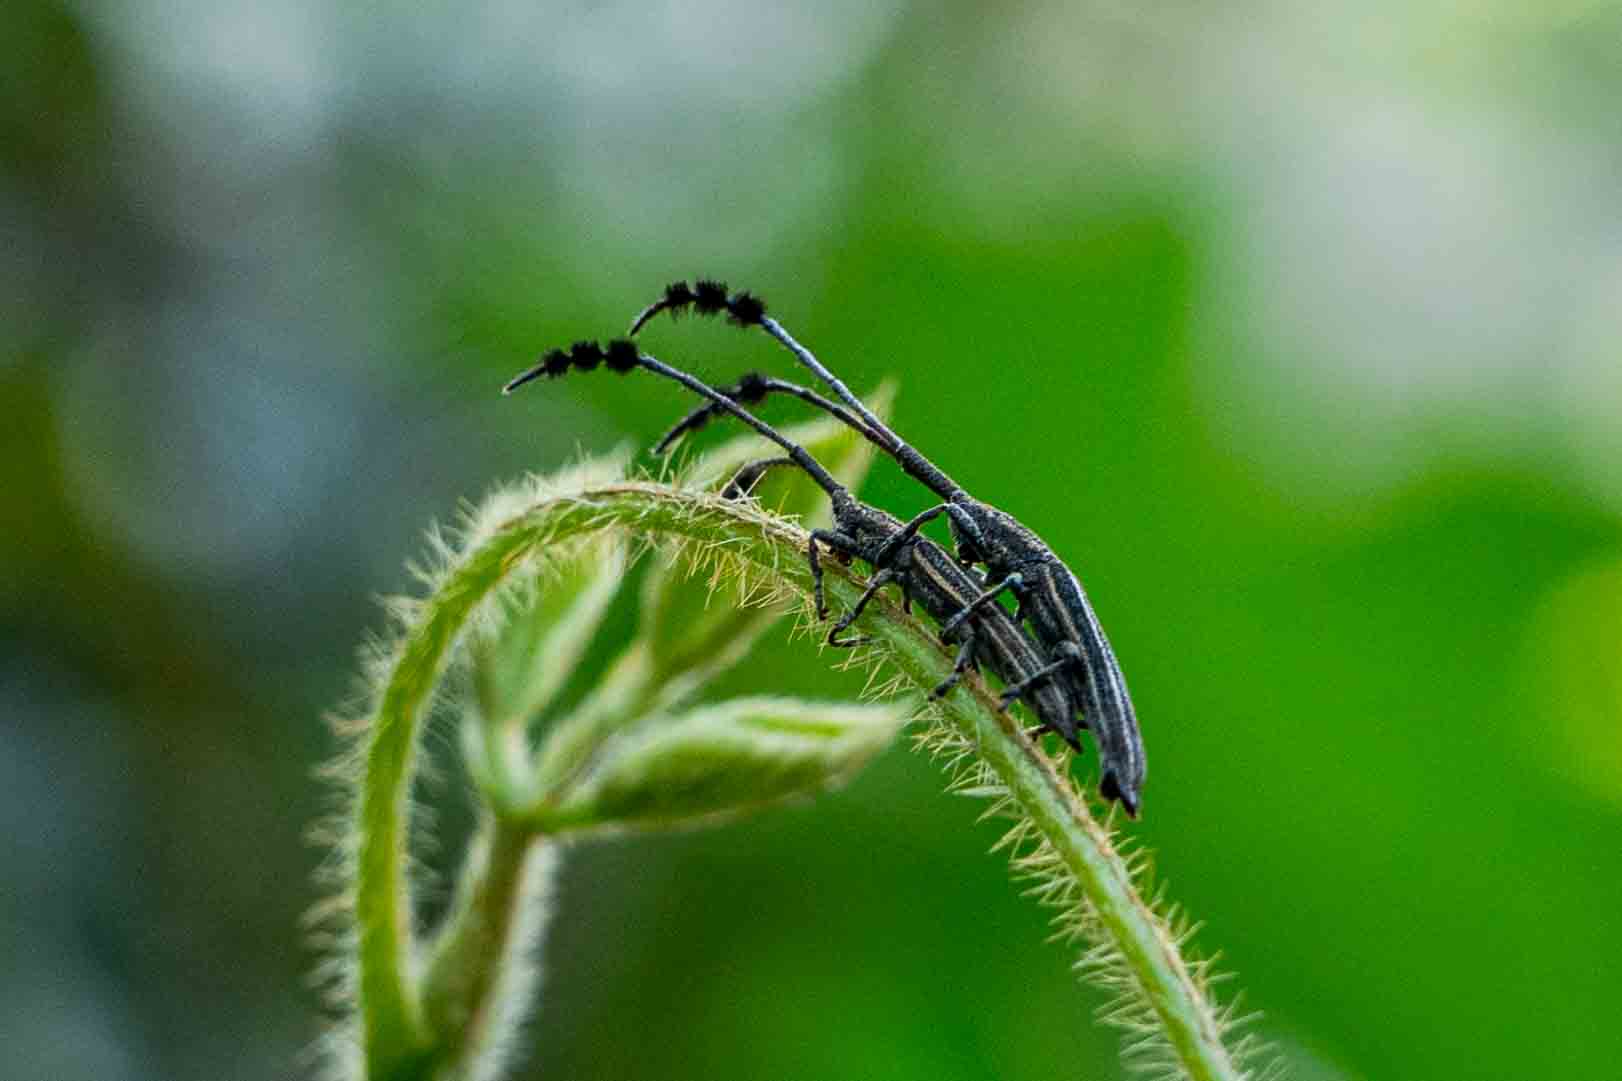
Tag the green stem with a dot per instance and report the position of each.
(476, 948)
(1146, 943)
(395, 1039)
(395, 1032)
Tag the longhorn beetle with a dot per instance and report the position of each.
(1050, 596)
(925, 572)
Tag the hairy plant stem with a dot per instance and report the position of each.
(399, 1035)
(471, 954)
(1147, 944)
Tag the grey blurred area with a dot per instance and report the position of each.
(1295, 328)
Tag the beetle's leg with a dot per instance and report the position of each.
(883, 578)
(744, 480)
(907, 532)
(1015, 582)
(836, 542)
(1015, 690)
(1070, 653)
(971, 543)
(965, 660)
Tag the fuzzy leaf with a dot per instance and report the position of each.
(724, 760)
(698, 629)
(524, 658)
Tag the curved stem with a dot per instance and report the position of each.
(1147, 944)
(395, 1038)
(396, 1035)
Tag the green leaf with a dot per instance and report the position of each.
(724, 760)
(524, 657)
(523, 660)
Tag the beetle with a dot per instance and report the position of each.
(1050, 596)
(926, 573)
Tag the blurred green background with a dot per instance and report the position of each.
(1295, 330)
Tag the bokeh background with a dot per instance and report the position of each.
(1294, 328)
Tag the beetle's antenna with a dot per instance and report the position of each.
(622, 356)
(744, 309)
(705, 297)
(709, 297)
(753, 388)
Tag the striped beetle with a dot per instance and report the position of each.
(926, 573)
(1051, 598)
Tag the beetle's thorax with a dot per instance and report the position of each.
(869, 526)
(1003, 544)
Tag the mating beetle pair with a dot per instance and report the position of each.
(1064, 665)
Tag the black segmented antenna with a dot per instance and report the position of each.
(709, 297)
(753, 388)
(705, 297)
(622, 355)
